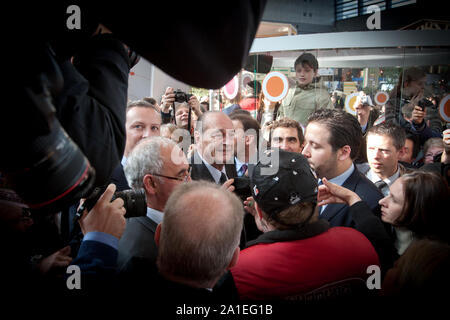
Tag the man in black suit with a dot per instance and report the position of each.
(246, 142)
(198, 242)
(213, 159)
(157, 165)
(333, 139)
(143, 120)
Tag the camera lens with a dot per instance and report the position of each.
(134, 202)
(49, 172)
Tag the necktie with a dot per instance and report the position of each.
(242, 170)
(381, 185)
(223, 178)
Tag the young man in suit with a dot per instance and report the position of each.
(213, 159)
(143, 120)
(246, 141)
(333, 139)
(385, 146)
(157, 165)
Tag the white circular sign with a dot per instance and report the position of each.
(246, 78)
(230, 90)
(381, 98)
(444, 108)
(350, 101)
(275, 86)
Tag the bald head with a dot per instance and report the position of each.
(200, 233)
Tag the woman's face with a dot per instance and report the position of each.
(392, 205)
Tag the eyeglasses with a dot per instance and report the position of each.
(182, 179)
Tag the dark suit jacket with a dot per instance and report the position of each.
(338, 214)
(97, 262)
(199, 170)
(137, 249)
(119, 179)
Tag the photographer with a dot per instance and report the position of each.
(102, 228)
(179, 114)
(409, 92)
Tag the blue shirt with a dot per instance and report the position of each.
(102, 237)
(339, 180)
(155, 215)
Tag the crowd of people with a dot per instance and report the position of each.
(297, 204)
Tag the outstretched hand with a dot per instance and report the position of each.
(332, 193)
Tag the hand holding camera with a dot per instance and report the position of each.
(167, 100)
(105, 216)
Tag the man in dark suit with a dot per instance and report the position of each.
(213, 159)
(333, 138)
(143, 120)
(157, 165)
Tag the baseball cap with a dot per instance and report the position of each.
(294, 182)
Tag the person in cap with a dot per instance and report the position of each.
(298, 253)
(308, 95)
(365, 112)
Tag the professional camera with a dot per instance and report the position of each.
(181, 96)
(425, 103)
(134, 201)
(242, 187)
(43, 165)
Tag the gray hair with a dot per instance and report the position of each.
(200, 232)
(145, 159)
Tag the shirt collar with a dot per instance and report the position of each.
(155, 215)
(340, 179)
(124, 161)
(216, 174)
(374, 177)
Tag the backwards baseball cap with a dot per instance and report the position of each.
(293, 183)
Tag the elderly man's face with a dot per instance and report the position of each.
(217, 139)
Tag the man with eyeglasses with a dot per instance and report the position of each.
(157, 165)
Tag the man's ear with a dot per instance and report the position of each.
(344, 152)
(234, 259)
(258, 211)
(149, 184)
(157, 234)
(401, 152)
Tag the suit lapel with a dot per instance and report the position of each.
(199, 169)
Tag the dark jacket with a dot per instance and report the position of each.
(137, 249)
(338, 214)
(91, 106)
(119, 179)
(199, 171)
